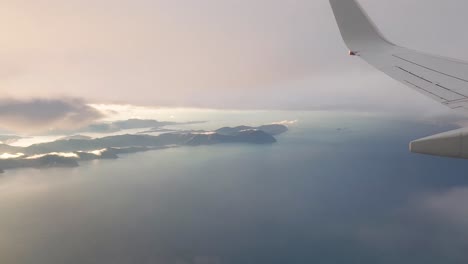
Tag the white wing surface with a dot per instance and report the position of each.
(443, 79)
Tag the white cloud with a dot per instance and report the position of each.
(287, 122)
(60, 154)
(10, 156)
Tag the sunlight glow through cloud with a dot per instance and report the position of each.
(60, 154)
(5, 156)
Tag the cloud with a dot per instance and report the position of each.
(10, 156)
(435, 222)
(255, 54)
(59, 154)
(287, 122)
(448, 207)
(35, 115)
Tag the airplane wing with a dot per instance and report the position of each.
(443, 79)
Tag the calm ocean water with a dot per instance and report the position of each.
(336, 188)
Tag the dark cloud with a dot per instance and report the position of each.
(45, 114)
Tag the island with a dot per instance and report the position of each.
(69, 151)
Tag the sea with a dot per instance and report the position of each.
(337, 187)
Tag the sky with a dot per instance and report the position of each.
(236, 54)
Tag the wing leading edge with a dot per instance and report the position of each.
(444, 80)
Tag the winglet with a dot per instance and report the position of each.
(358, 31)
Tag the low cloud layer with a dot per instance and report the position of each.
(431, 224)
(35, 115)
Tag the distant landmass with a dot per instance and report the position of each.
(76, 137)
(157, 130)
(131, 124)
(68, 151)
(4, 148)
(9, 139)
(125, 124)
(273, 129)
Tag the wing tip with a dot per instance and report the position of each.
(357, 29)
